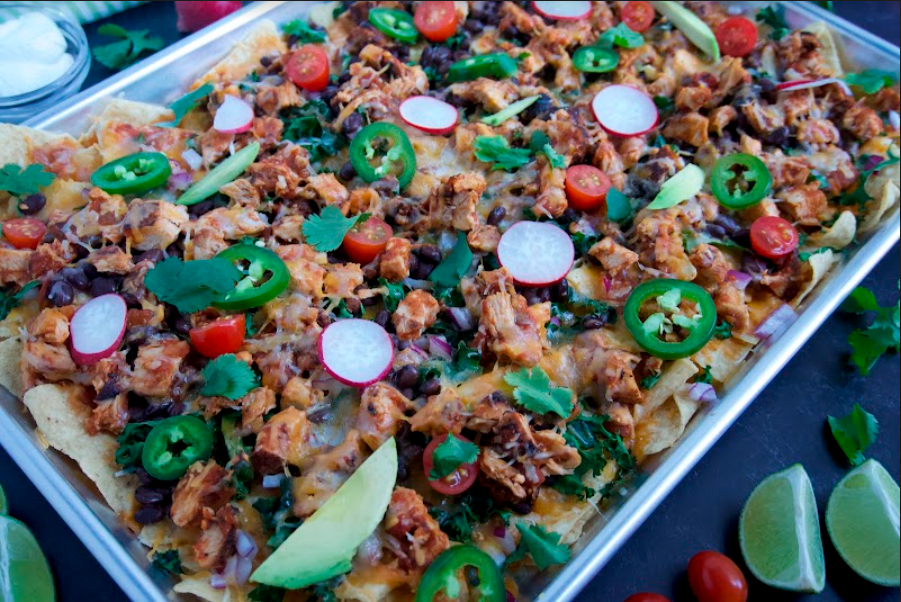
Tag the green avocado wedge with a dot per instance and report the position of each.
(689, 24)
(324, 545)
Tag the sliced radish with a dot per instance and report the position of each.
(356, 352)
(536, 253)
(804, 84)
(430, 115)
(233, 116)
(97, 328)
(624, 111)
(563, 11)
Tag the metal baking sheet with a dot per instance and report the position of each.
(163, 77)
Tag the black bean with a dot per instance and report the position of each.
(408, 393)
(560, 291)
(593, 322)
(109, 390)
(201, 208)
(422, 270)
(76, 277)
(406, 377)
(352, 125)
(344, 77)
(430, 387)
(89, 269)
(353, 305)
(498, 397)
(436, 57)
(266, 61)
(329, 93)
(429, 253)
(540, 109)
(382, 318)
(102, 286)
(138, 335)
(727, 223)
(768, 90)
(496, 216)
(131, 300)
(347, 172)
(413, 263)
(523, 507)
(142, 475)
(181, 324)
(537, 295)
(61, 293)
(568, 217)
(153, 256)
(369, 301)
(386, 187)
(49, 238)
(778, 137)
(149, 495)
(32, 203)
(400, 345)
(715, 230)
(148, 515)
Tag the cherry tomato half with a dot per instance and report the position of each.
(773, 237)
(646, 597)
(225, 335)
(308, 68)
(586, 187)
(456, 482)
(24, 232)
(365, 241)
(715, 578)
(437, 21)
(736, 36)
(637, 16)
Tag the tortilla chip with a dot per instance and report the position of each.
(839, 236)
(883, 201)
(814, 270)
(724, 357)
(18, 142)
(10, 359)
(199, 585)
(588, 281)
(62, 419)
(830, 51)
(361, 587)
(664, 427)
(118, 111)
(263, 40)
(673, 379)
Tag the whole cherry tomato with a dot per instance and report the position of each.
(715, 578)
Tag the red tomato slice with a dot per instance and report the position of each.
(365, 241)
(736, 36)
(646, 597)
(773, 237)
(437, 21)
(715, 578)
(24, 232)
(225, 335)
(308, 68)
(637, 16)
(456, 482)
(586, 187)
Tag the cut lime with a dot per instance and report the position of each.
(862, 521)
(4, 508)
(779, 532)
(24, 572)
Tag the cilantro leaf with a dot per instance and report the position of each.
(854, 433)
(266, 593)
(859, 195)
(119, 55)
(327, 230)
(860, 301)
(496, 149)
(705, 376)
(806, 255)
(9, 302)
(450, 455)
(619, 209)
(456, 516)
(540, 144)
(621, 36)
(304, 32)
(186, 104)
(870, 80)
(723, 330)
(308, 126)
(544, 547)
(131, 443)
(30, 180)
(883, 333)
(393, 295)
(533, 390)
(466, 360)
(191, 286)
(648, 382)
(596, 445)
(775, 18)
(226, 376)
(453, 267)
(168, 562)
(583, 242)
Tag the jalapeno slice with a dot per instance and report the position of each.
(668, 332)
(266, 276)
(174, 444)
(395, 23)
(595, 59)
(382, 149)
(740, 181)
(497, 65)
(443, 575)
(133, 173)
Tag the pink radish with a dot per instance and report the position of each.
(430, 115)
(804, 84)
(233, 116)
(624, 111)
(563, 11)
(536, 253)
(356, 352)
(195, 15)
(97, 328)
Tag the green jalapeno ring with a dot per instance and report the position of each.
(394, 23)
(399, 153)
(254, 289)
(497, 65)
(174, 445)
(595, 59)
(133, 173)
(698, 333)
(732, 195)
(442, 575)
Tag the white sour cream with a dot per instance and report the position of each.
(32, 54)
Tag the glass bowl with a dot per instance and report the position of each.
(15, 109)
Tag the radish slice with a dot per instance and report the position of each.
(430, 115)
(233, 116)
(97, 328)
(804, 84)
(356, 352)
(535, 253)
(624, 111)
(563, 11)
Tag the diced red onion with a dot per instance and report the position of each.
(510, 597)
(192, 158)
(805, 84)
(180, 180)
(740, 280)
(703, 392)
(555, 321)
(608, 284)
(776, 323)
(461, 318)
(417, 350)
(85, 193)
(272, 481)
(500, 532)
(895, 120)
(417, 284)
(245, 545)
(439, 347)
(218, 581)
(243, 568)
(871, 162)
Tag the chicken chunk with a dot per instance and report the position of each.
(382, 410)
(419, 536)
(14, 266)
(394, 265)
(453, 204)
(218, 541)
(805, 204)
(256, 404)
(513, 330)
(157, 367)
(326, 474)
(443, 413)
(416, 312)
(202, 491)
(690, 128)
(154, 224)
(283, 440)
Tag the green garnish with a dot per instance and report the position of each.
(450, 455)
(496, 150)
(533, 390)
(30, 180)
(226, 376)
(453, 267)
(191, 286)
(119, 55)
(186, 104)
(880, 336)
(854, 433)
(326, 231)
(544, 547)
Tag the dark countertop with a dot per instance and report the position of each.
(785, 425)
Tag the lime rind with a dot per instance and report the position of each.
(4, 507)
(24, 571)
(779, 533)
(862, 519)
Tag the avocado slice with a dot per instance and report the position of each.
(688, 23)
(680, 187)
(324, 545)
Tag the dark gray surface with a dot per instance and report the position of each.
(785, 425)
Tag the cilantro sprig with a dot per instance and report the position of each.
(453, 267)
(326, 231)
(191, 286)
(131, 44)
(392, 295)
(859, 195)
(621, 36)
(496, 150)
(870, 343)
(8, 302)
(448, 456)
(540, 144)
(227, 376)
(854, 433)
(186, 104)
(870, 81)
(533, 390)
(168, 562)
(30, 180)
(544, 547)
(775, 18)
(304, 32)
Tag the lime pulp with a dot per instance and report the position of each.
(24, 572)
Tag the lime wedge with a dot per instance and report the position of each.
(862, 521)
(4, 507)
(779, 533)
(24, 572)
